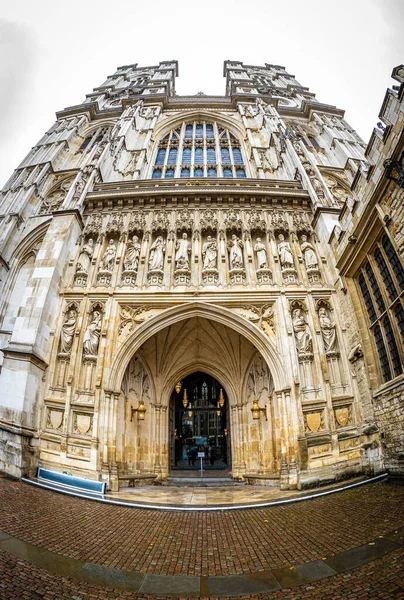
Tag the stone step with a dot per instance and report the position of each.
(199, 481)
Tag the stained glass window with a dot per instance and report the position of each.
(238, 159)
(157, 174)
(172, 156)
(199, 156)
(185, 173)
(198, 172)
(186, 156)
(227, 173)
(160, 156)
(169, 173)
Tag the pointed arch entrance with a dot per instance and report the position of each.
(199, 424)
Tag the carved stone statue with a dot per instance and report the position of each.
(183, 250)
(86, 253)
(209, 253)
(108, 260)
(309, 254)
(260, 249)
(68, 329)
(328, 331)
(235, 247)
(156, 258)
(304, 341)
(92, 335)
(131, 260)
(285, 253)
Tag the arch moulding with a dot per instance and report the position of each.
(206, 311)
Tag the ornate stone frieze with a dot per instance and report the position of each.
(137, 223)
(185, 220)
(208, 220)
(232, 220)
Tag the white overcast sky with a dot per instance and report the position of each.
(54, 52)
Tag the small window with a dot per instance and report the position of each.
(212, 172)
(189, 130)
(394, 261)
(367, 298)
(227, 173)
(172, 156)
(375, 288)
(199, 156)
(85, 143)
(211, 156)
(161, 154)
(240, 173)
(209, 131)
(169, 174)
(399, 312)
(238, 159)
(385, 275)
(198, 172)
(185, 173)
(381, 350)
(392, 346)
(199, 132)
(186, 156)
(225, 153)
(156, 174)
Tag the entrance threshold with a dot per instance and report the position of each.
(209, 499)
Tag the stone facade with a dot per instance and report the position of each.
(148, 236)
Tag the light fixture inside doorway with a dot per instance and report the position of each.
(257, 410)
(178, 386)
(189, 410)
(221, 398)
(185, 399)
(140, 410)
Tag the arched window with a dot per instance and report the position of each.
(199, 149)
(380, 278)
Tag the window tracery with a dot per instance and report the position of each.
(199, 149)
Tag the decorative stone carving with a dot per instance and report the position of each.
(310, 260)
(338, 192)
(328, 333)
(233, 220)
(279, 222)
(209, 256)
(82, 423)
(54, 201)
(129, 318)
(92, 334)
(315, 182)
(261, 316)
(259, 382)
(264, 274)
(136, 382)
(160, 221)
(355, 353)
(314, 421)
(303, 337)
(343, 415)
(115, 225)
(208, 221)
(84, 262)
(131, 261)
(137, 223)
(54, 418)
(94, 226)
(237, 272)
(183, 250)
(265, 160)
(185, 220)
(68, 331)
(156, 262)
(289, 272)
(256, 221)
(107, 264)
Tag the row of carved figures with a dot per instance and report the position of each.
(302, 332)
(182, 256)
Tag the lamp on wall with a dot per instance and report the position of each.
(257, 410)
(140, 410)
(395, 170)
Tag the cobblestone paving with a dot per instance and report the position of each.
(222, 543)
(381, 579)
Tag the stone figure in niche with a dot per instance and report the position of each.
(156, 258)
(92, 335)
(304, 341)
(86, 253)
(285, 253)
(309, 254)
(328, 331)
(183, 250)
(235, 246)
(108, 260)
(68, 329)
(262, 260)
(209, 253)
(131, 260)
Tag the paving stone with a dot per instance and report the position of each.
(235, 585)
(109, 577)
(177, 584)
(4, 535)
(396, 536)
(351, 559)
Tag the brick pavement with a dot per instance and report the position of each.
(221, 543)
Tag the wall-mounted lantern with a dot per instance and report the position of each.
(257, 410)
(140, 410)
(395, 170)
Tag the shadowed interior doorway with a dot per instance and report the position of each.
(199, 424)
